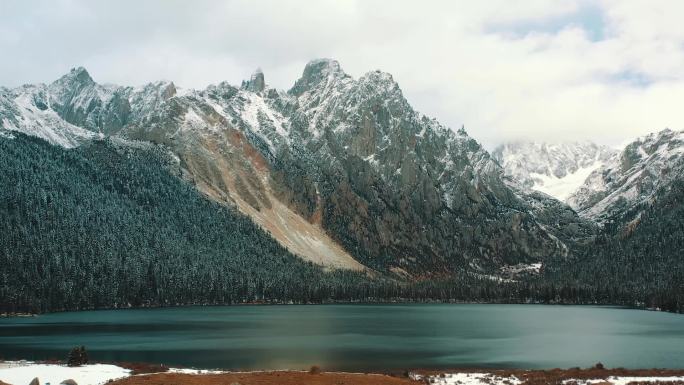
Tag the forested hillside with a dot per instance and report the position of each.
(106, 225)
(109, 225)
(637, 260)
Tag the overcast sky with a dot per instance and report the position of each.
(548, 70)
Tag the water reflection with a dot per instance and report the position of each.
(357, 337)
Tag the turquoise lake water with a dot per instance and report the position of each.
(357, 337)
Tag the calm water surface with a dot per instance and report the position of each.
(357, 337)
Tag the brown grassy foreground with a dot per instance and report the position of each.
(265, 378)
(529, 377)
(557, 376)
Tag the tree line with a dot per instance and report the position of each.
(107, 225)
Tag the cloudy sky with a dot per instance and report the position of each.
(533, 69)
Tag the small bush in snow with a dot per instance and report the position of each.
(77, 356)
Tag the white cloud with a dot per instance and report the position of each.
(604, 70)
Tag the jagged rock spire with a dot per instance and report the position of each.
(77, 75)
(316, 71)
(256, 83)
(462, 130)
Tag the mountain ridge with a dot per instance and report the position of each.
(556, 169)
(349, 161)
(342, 173)
(632, 176)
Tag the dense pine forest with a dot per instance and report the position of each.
(108, 225)
(641, 263)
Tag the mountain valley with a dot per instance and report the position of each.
(342, 173)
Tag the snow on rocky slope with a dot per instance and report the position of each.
(339, 170)
(600, 183)
(632, 177)
(214, 132)
(26, 109)
(555, 169)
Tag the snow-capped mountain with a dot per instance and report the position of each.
(27, 109)
(75, 108)
(631, 177)
(555, 169)
(341, 171)
(600, 183)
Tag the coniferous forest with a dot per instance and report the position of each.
(107, 225)
(639, 265)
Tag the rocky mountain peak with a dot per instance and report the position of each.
(462, 131)
(644, 147)
(380, 84)
(631, 177)
(82, 102)
(256, 82)
(167, 90)
(76, 76)
(316, 72)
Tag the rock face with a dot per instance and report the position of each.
(342, 171)
(26, 109)
(256, 83)
(397, 187)
(631, 177)
(82, 102)
(555, 169)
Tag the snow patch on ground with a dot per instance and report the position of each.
(195, 371)
(534, 268)
(470, 379)
(371, 159)
(22, 372)
(6, 135)
(492, 379)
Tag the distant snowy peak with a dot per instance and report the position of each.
(632, 177)
(256, 83)
(555, 169)
(27, 109)
(74, 108)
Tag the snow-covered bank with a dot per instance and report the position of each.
(469, 379)
(22, 372)
(483, 378)
(194, 371)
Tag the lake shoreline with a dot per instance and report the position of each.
(154, 374)
(323, 303)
